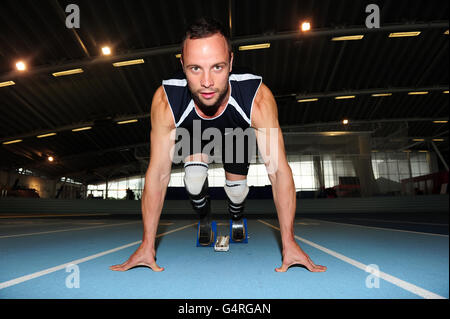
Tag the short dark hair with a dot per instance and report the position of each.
(203, 28)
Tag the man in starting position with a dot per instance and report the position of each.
(209, 92)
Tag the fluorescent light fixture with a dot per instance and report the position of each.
(12, 142)
(418, 93)
(307, 100)
(437, 139)
(440, 121)
(445, 92)
(129, 62)
(344, 97)
(418, 139)
(348, 37)
(67, 72)
(127, 121)
(381, 94)
(423, 151)
(404, 34)
(7, 83)
(46, 135)
(254, 46)
(82, 129)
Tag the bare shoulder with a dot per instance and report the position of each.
(264, 111)
(160, 113)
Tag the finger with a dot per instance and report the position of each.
(284, 267)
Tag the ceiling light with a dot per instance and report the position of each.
(440, 121)
(306, 26)
(437, 139)
(418, 93)
(11, 142)
(50, 158)
(67, 72)
(254, 46)
(7, 83)
(345, 121)
(129, 62)
(46, 135)
(445, 92)
(404, 34)
(178, 55)
(127, 121)
(348, 37)
(21, 66)
(344, 97)
(81, 129)
(418, 139)
(307, 100)
(106, 50)
(381, 94)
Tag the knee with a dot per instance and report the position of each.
(195, 177)
(236, 191)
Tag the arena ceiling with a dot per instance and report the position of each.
(297, 66)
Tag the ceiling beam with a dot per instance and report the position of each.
(175, 48)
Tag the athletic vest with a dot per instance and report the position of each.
(237, 113)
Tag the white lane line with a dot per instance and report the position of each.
(47, 271)
(382, 228)
(399, 221)
(394, 280)
(65, 230)
(53, 215)
(79, 228)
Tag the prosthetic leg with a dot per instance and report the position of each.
(196, 183)
(237, 193)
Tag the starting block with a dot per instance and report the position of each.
(213, 240)
(240, 226)
(222, 243)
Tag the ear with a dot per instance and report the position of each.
(231, 61)
(181, 61)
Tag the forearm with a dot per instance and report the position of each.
(152, 203)
(283, 190)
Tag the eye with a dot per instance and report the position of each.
(218, 67)
(195, 68)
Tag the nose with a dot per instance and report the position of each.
(207, 80)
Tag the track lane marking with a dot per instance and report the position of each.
(47, 271)
(394, 280)
(381, 228)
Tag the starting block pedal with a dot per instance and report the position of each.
(238, 231)
(222, 243)
(213, 236)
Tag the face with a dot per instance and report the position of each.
(207, 64)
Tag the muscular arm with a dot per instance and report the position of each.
(156, 181)
(157, 176)
(271, 146)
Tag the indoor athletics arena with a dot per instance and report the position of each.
(100, 201)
